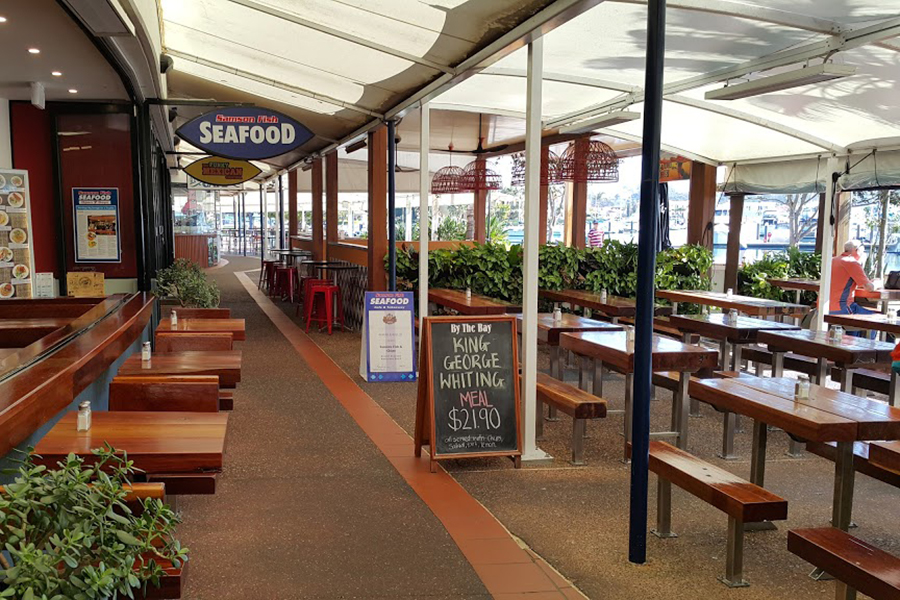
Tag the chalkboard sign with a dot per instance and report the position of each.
(468, 401)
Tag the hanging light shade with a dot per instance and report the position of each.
(589, 160)
(447, 180)
(477, 177)
(550, 171)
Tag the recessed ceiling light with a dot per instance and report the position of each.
(73, 91)
(2, 19)
(56, 73)
(34, 50)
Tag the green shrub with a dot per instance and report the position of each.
(186, 282)
(753, 277)
(68, 533)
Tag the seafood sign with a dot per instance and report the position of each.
(247, 133)
(388, 348)
(96, 225)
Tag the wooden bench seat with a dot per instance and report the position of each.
(181, 342)
(861, 464)
(661, 325)
(576, 403)
(792, 362)
(190, 393)
(170, 584)
(866, 379)
(857, 565)
(742, 501)
(186, 484)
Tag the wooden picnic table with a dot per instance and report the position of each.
(798, 285)
(613, 349)
(757, 307)
(476, 305)
(226, 364)
(612, 307)
(736, 334)
(873, 322)
(885, 455)
(826, 416)
(848, 352)
(157, 442)
(235, 327)
(549, 331)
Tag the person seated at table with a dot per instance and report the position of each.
(846, 275)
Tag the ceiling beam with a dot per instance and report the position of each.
(480, 110)
(343, 35)
(665, 147)
(845, 41)
(594, 82)
(273, 83)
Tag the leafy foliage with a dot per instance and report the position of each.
(451, 229)
(753, 277)
(495, 271)
(69, 534)
(186, 282)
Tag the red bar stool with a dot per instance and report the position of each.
(284, 282)
(267, 274)
(331, 295)
(306, 283)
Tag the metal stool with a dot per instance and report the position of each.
(331, 294)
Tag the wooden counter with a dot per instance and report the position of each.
(194, 247)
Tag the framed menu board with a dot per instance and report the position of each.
(16, 250)
(468, 400)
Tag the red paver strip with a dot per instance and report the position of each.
(508, 571)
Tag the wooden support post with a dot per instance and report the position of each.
(331, 200)
(842, 233)
(733, 254)
(318, 227)
(377, 209)
(292, 205)
(480, 209)
(701, 205)
(545, 195)
(820, 224)
(579, 197)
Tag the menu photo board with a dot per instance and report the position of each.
(16, 250)
(388, 345)
(468, 397)
(96, 222)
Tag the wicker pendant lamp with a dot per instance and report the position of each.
(478, 177)
(448, 180)
(589, 161)
(550, 171)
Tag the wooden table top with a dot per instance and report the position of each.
(743, 330)
(476, 305)
(804, 285)
(890, 295)
(232, 326)
(157, 442)
(224, 363)
(875, 420)
(611, 348)
(885, 454)
(806, 421)
(745, 304)
(874, 322)
(549, 330)
(613, 306)
(848, 350)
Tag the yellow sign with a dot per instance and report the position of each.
(85, 284)
(215, 170)
(674, 169)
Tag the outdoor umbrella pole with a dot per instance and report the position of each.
(643, 344)
(392, 197)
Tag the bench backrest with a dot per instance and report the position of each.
(184, 342)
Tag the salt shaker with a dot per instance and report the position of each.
(729, 292)
(629, 335)
(801, 388)
(837, 332)
(84, 416)
(468, 293)
(603, 295)
(892, 315)
(733, 315)
(557, 314)
(174, 319)
(145, 352)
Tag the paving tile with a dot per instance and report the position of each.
(514, 578)
(493, 551)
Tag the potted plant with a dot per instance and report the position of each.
(185, 284)
(67, 533)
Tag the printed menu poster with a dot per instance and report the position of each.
(96, 219)
(388, 349)
(16, 251)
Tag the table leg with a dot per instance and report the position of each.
(674, 308)
(846, 379)
(598, 378)
(736, 350)
(844, 475)
(821, 376)
(614, 320)
(629, 389)
(777, 364)
(728, 426)
(585, 372)
(758, 469)
(723, 355)
(682, 404)
(556, 372)
(892, 393)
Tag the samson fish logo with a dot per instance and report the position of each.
(245, 133)
(215, 170)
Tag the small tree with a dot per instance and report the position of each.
(796, 204)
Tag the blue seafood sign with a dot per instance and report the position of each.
(247, 133)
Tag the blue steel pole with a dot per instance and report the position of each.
(640, 432)
(392, 198)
